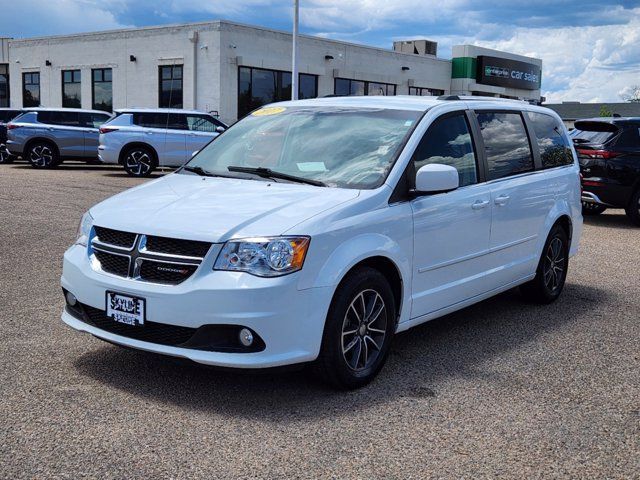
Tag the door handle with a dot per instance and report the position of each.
(502, 200)
(148, 133)
(479, 204)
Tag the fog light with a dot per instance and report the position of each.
(246, 337)
(71, 299)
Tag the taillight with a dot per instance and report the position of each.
(12, 126)
(604, 154)
(107, 129)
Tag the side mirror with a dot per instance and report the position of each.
(436, 178)
(194, 153)
(220, 129)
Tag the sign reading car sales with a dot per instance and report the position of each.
(503, 72)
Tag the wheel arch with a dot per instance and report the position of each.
(131, 145)
(48, 141)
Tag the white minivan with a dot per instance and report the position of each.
(313, 231)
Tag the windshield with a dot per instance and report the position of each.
(340, 147)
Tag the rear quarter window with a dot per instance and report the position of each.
(151, 119)
(554, 146)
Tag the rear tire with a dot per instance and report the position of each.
(139, 162)
(592, 209)
(551, 274)
(42, 155)
(633, 209)
(358, 330)
(5, 156)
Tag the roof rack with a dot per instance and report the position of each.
(471, 98)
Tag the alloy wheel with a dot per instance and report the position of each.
(364, 329)
(139, 162)
(41, 156)
(554, 265)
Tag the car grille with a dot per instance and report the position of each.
(161, 333)
(162, 260)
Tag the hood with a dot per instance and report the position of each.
(215, 209)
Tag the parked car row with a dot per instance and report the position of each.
(138, 139)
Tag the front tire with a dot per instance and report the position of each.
(633, 209)
(42, 155)
(358, 331)
(139, 162)
(592, 208)
(5, 156)
(551, 274)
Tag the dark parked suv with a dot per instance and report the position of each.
(6, 115)
(47, 136)
(609, 154)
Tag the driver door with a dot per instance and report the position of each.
(451, 230)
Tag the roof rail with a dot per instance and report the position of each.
(448, 97)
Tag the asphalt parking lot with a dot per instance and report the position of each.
(501, 389)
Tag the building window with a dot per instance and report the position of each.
(346, 86)
(102, 89)
(258, 86)
(31, 89)
(425, 92)
(71, 89)
(170, 86)
(4, 85)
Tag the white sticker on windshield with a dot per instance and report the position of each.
(408, 123)
(312, 167)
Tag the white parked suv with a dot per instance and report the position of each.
(313, 231)
(141, 139)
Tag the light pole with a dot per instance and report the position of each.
(294, 55)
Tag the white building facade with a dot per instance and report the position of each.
(222, 66)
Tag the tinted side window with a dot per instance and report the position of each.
(92, 120)
(177, 121)
(554, 147)
(506, 144)
(201, 123)
(448, 142)
(66, 119)
(151, 119)
(630, 137)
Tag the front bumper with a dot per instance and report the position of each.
(288, 320)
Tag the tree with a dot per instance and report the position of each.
(631, 94)
(605, 112)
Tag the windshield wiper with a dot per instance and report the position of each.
(203, 173)
(268, 173)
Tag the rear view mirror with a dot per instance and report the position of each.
(435, 178)
(194, 153)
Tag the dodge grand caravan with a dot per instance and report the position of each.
(313, 231)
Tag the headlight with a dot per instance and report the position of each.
(84, 229)
(264, 257)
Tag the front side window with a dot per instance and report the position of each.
(555, 150)
(93, 120)
(506, 144)
(348, 87)
(4, 86)
(259, 86)
(201, 123)
(102, 88)
(342, 147)
(170, 86)
(71, 89)
(31, 89)
(448, 142)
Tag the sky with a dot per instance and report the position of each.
(590, 48)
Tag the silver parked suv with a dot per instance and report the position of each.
(45, 137)
(143, 139)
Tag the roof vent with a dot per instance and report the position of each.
(417, 47)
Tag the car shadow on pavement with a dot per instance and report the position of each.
(611, 220)
(421, 360)
(69, 167)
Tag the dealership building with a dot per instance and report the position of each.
(232, 68)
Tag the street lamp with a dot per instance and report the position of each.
(294, 55)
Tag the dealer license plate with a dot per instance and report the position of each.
(125, 308)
